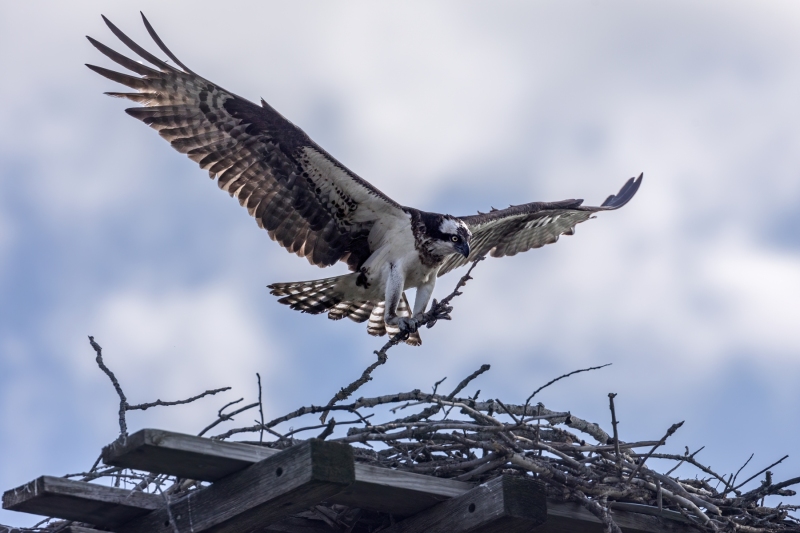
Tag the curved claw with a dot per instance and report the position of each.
(439, 311)
(408, 325)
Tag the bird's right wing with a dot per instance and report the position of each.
(520, 228)
(308, 202)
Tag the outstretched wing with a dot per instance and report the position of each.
(522, 227)
(308, 202)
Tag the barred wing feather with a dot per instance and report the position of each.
(308, 202)
(520, 228)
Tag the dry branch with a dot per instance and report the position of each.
(124, 406)
(438, 311)
(478, 441)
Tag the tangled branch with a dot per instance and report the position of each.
(458, 437)
(124, 406)
(476, 441)
(438, 311)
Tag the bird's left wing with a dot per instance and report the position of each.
(308, 202)
(523, 227)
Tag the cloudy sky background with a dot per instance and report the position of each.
(692, 291)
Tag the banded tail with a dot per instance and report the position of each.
(321, 295)
(379, 328)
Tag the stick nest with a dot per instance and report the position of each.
(460, 437)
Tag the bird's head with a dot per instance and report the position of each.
(451, 236)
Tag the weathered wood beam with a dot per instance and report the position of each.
(396, 492)
(262, 494)
(507, 504)
(574, 518)
(190, 457)
(374, 488)
(77, 500)
(296, 525)
(185, 456)
(80, 529)
(68, 529)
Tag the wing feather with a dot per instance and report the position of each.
(506, 232)
(306, 200)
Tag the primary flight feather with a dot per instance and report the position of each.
(315, 207)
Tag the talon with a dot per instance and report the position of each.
(442, 312)
(408, 325)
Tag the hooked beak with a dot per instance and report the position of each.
(463, 248)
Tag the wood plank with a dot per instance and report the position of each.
(185, 456)
(507, 504)
(398, 493)
(262, 494)
(376, 489)
(80, 501)
(635, 522)
(68, 529)
(574, 518)
(296, 525)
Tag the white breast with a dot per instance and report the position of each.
(395, 244)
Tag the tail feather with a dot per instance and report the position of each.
(379, 328)
(376, 326)
(321, 295)
(355, 311)
(313, 297)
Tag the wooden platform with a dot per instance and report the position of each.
(257, 489)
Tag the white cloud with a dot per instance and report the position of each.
(174, 345)
(760, 289)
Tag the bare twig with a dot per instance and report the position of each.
(659, 496)
(234, 402)
(466, 381)
(319, 426)
(260, 409)
(124, 406)
(157, 403)
(436, 385)
(769, 488)
(490, 462)
(682, 461)
(438, 311)
(611, 396)
(328, 429)
(123, 402)
(672, 429)
(537, 391)
(743, 483)
(692, 461)
(514, 418)
(366, 376)
(742, 468)
(223, 417)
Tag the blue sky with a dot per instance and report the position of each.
(692, 291)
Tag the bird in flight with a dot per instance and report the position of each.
(315, 207)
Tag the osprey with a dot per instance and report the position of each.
(315, 207)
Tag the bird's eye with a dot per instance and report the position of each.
(454, 238)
